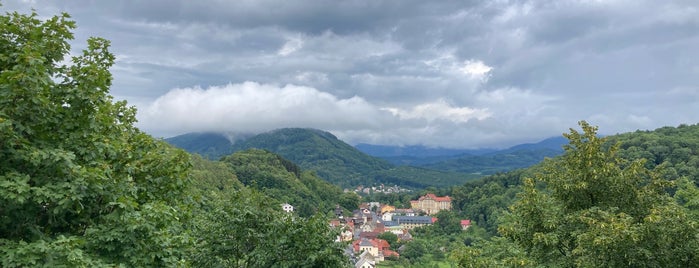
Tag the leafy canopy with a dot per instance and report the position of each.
(79, 184)
(591, 208)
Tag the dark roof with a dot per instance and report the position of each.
(413, 219)
(390, 223)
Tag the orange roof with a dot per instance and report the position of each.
(381, 244)
(388, 252)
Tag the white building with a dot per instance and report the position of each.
(287, 207)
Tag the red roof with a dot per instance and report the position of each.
(369, 235)
(389, 253)
(436, 198)
(381, 244)
(355, 245)
(465, 222)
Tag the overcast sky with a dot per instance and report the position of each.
(461, 74)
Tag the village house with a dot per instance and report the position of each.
(287, 207)
(366, 260)
(465, 224)
(387, 216)
(431, 204)
(387, 208)
(404, 212)
(378, 248)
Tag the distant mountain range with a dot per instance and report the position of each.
(479, 161)
(418, 151)
(342, 164)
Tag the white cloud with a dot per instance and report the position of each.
(291, 45)
(453, 74)
(254, 107)
(440, 110)
(476, 69)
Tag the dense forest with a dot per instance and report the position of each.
(80, 186)
(332, 159)
(623, 200)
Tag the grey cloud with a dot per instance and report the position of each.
(622, 64)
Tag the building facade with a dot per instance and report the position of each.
(431, 203)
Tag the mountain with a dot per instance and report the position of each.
(332, 159)
(480, 161)
(515, 157)
(312, 149)
(286, 182)
(211, 145)
(494, 162)
(553, 143)
(416, 151)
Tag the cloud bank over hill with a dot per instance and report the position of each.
(442, 73)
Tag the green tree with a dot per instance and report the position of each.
(79, 184)
(498, 252)
(414, 250)
(593, 209)
(247, 229)
(390, 237)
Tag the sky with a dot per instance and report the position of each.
(455, 74)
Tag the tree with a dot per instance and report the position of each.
(414, 250)
(498, 252)
(79, 184)
(390, 237)
(592, 209)
(247, 229)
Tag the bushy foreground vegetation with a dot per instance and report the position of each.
(80, 186)
(598, 205)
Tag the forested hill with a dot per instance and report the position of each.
(676, 148)
(332, 159)
(285, 181)
(211, 145)
(482, 161)
(618, 201)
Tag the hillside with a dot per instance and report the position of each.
(494, 162)
(332, 159)
(481, 161)
(207, 144)
(341, 164)
(417, 151)
(677, 148)
(621, 192)
(286, 182)
(311, 149)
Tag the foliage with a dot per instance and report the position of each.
(332, 159)
(284, 181)
(79, 184)
(498, 252)
(495, 162)
(416, 177)
(247, 229)
(675, 147)
(210, 176)
(390, 237)
(483, 201)
(209, 145)
(596, 209)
